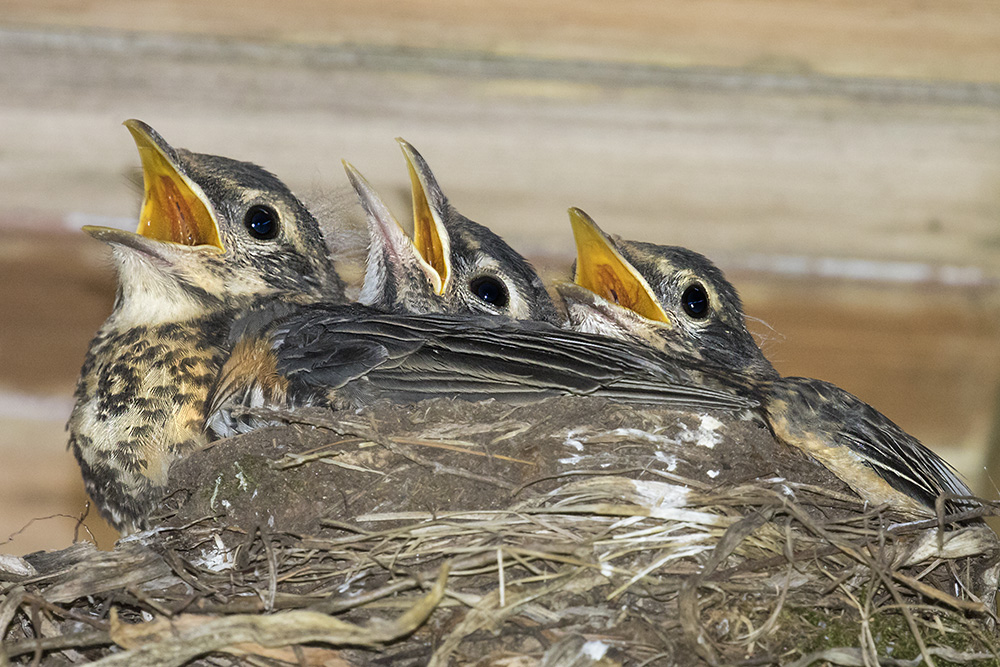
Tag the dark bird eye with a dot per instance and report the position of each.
(490, 290)
(695, 300)
(262, 222)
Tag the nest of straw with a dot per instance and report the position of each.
(570, 532)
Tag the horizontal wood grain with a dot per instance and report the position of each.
(956, 40)
(753, 170)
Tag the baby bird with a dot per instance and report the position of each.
(215, 237)
(454, 313)
(676, 300)
(468, 318)
(452, 264)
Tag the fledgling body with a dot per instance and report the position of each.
(215, 237)
(351, 356)
(673, 299)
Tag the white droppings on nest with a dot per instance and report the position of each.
(710, 423)
(572, 441)
(578, 437)
(595, 649)
(571, 460)
(240, 477)
(218, 558)
(658, 500)
(706, 435)
(669, 459)
(713, 473)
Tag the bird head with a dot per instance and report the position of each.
(664, 295)
(213, 232)
(451, 265)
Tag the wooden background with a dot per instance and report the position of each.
(839, 159)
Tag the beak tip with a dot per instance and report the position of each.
(579, 216)
(101, 233)
(146, 137)
(360, 184)
(409, 152)
(137, 127)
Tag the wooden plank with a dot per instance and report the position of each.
(41, 491)
(956, 40)
(65, 291)
(929, 358)
(749, 169)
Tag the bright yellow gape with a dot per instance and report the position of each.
(174, 208)
(601, 269)
(427, 235)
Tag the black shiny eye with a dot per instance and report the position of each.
(695, 301)
(261, 222)
(490, 290)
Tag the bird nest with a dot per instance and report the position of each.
(569, 532)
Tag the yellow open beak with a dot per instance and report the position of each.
(429, 235)
(602, 269)
(174, 208)
(387, 231)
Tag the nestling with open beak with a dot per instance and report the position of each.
(431, 336)
(452, 264)
(676, 300)
(215, 237)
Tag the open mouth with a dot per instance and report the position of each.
(174, 208)
(388, 234)
(429, 235)
(601, 269)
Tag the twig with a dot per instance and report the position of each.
(58, 643)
